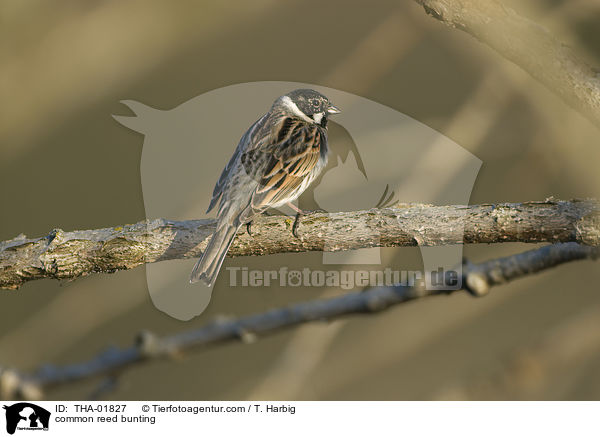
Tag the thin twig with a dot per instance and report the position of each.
(476, 278)
(69, 255)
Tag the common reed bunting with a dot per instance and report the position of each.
(274, 162)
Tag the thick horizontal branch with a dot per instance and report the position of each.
(68, 255)
(476, 278)
(528, 45)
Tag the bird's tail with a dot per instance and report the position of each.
(207, 268)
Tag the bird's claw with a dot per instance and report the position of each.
(295, 225)
(299, 217)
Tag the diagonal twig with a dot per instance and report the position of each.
(476, 279)
(526, 44)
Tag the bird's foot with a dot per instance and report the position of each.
(249, 228)
(298, 218)
(296, 223)
(295, 208)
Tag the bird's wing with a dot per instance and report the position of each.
(282, 166)
(245, 142)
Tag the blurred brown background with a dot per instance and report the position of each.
(64, 162)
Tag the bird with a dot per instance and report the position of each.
(276, 159)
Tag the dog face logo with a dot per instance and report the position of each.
(378, 156)
(26, 416)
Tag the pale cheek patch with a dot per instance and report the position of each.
(318, 117)
(294, 109)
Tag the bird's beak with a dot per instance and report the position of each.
(333, 110)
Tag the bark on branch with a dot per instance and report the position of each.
(69, 255)
(528, 45)
(476, 278)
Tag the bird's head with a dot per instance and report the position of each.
(309, 105)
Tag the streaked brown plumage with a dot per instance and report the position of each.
(275, 161)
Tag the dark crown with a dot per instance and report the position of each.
(309, 101)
